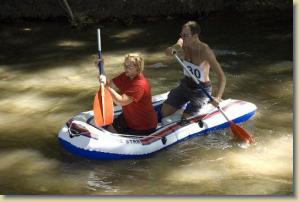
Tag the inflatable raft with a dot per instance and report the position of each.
(82, 137)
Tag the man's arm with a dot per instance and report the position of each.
(174, 48)
(219, 71)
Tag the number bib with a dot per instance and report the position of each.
(197, 71)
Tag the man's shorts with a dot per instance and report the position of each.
(194, 98)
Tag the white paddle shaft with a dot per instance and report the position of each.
(99, 39)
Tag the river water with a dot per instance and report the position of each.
(47, 75)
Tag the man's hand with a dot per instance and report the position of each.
(216, 101)
(170, 51)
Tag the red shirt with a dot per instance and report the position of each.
(139, 114)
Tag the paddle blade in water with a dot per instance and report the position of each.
(103, 108)
(241, 133)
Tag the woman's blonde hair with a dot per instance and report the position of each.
(137, 59)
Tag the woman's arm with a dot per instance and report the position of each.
(121, 100)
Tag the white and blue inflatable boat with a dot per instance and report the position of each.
(82, 137)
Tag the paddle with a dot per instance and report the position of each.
(239, 132)
(103, 103)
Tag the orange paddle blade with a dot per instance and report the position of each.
(103, 108)
(241, 133)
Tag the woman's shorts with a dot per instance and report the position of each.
(121, 127)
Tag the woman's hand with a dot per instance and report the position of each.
(103, 79)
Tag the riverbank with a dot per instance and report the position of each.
(127, 12)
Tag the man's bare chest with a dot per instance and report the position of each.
(194, 56)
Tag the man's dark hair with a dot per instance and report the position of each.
(194, 27)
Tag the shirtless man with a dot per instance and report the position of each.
(199, 58)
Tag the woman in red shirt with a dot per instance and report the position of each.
(138, 116)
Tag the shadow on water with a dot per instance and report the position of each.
(36, 47)
(47, 75)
